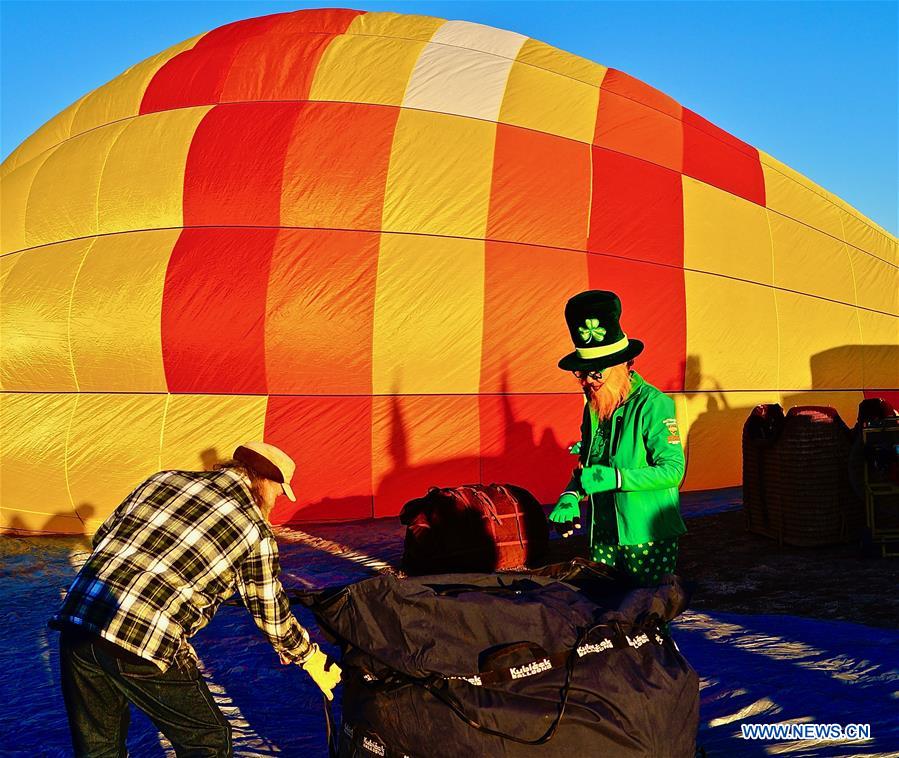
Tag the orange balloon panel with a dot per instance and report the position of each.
(541, 189)
(312, 193)
(524, 436)
(321, 294)
(353, 235)
(636, 120)
(523, 287)
(331, 440)
(420, 442)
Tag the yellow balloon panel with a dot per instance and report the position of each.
(7, 263)
(711, 427)
(732, 346)
(395, 25)
(56, 130)
(15, 188)
(876, 282)
(366, 69)
(789, 193)
(121, 97)
(541, 55)
(428, 315)
(711, 240)
(549, 102)
(116, 313)
(866, 237)
(62, 204)
(810, 326)
(880, 335)
(201, 430)
(440, 173)
(113, 445)
(809, 261)
(844, 402)
(34, 320)
(34, 495)
(137, 189)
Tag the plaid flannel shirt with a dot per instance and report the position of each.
(167, 557)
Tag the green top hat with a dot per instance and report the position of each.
(592, 319)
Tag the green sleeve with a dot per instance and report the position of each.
(574, 484)
(664, 465)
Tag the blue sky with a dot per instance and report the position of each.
(812, 83)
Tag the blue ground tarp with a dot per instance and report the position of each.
(755, 668)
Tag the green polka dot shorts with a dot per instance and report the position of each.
(647, 562)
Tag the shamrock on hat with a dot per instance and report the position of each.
(593, 329)
(593, 322)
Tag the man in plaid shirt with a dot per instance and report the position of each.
(162, 563)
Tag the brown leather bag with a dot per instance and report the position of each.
(473, 528)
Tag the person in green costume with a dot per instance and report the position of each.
(631, 460)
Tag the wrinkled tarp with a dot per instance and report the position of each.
(753, 668)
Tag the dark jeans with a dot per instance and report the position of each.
(98, 682)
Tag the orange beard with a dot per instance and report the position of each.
(615, 388)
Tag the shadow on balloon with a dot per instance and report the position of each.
(713, 448)
(533, 460)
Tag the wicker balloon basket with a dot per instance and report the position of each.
(796, 476)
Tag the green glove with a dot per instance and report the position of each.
(599, 479)
(566, 516)
(567, 509)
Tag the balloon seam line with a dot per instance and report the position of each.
(510, 242)
(429, 234)
(686, 391)
(858, 320)
(65, 459)
(774, 295)
(69, 315)
(858, 215)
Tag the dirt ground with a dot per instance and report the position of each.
(740, 572)
(733, 570)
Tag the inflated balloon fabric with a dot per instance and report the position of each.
(353, 235)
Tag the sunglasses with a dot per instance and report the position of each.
(596, 376)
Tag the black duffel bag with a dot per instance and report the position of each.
(563, 661)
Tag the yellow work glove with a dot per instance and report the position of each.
(325, 676)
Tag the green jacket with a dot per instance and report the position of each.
(646, 450)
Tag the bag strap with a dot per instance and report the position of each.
(615, 639)
(487, 502)
(330, 733)
(437, 684)
(519, 511)
(439, 689)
